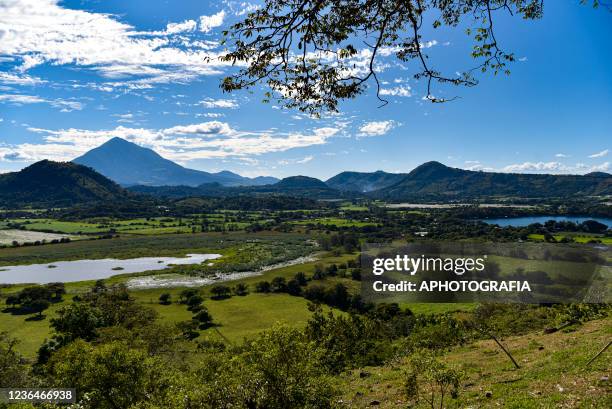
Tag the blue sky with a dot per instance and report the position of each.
(76, 73)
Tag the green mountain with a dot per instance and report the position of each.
(56, 184)
(297, 186)
(364, 181)
(435, 181)
(129, 164)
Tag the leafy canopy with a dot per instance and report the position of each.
(313, 53)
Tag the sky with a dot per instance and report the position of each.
(74, 74)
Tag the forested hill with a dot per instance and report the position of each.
(57, 184)
(296, 186)
(435, 181)
(364, 181)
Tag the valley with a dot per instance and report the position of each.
(209, 272)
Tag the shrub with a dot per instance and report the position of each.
(300, 277)
(440, 379)
(186, 294)
(194, 302)
(293, 287)
(165, 299)
(278, 285)
(241, 289)
(263, 287)
(220, 292)
(203, 318)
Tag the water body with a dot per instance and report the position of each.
(178, 280)
(80, 270)
(527, 220)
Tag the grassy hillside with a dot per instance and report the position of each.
(552, 374)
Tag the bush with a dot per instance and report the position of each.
(165, 299)
(241, 289)
(301, 278)
(220, 292)
(263, 287)
(38, 306)
(194, 302)
(442, 381)
(278, 285)
(293, 287)
(203, 318)
(186, 294)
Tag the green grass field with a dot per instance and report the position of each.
(60, 226)
(577, 237)
(354, 208)
(225, 220)
(141, 246)
(335, 221)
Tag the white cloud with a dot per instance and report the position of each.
(561, 155)
(17, 79)
(210, 115)
(246, 8)
(475, 165)
(44, 31)
(205, 128)
(399, 91)
(64, 105)
(604, 167)
(555, 167)
(376, 128)
(534, 166)
(207, 23)
(600, 154)
(219, 103)
(181, 143)
(185, 26)
(305, 159)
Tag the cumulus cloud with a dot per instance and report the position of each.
(534, 166)
(185, 26)
(604, 167)
(19, 79)
(399, 91)
(206, 140)
(207, 23)
(35, 32)
(246, 8)
(65, 105)
(219, 103)
(554, 167)
(376, 128)
(600, 154)
(205, 128)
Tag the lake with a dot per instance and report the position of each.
(80, 270)
(527, 220)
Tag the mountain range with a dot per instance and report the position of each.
(99, 174)
(130, 164)
(435, 181)
(298, 186)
